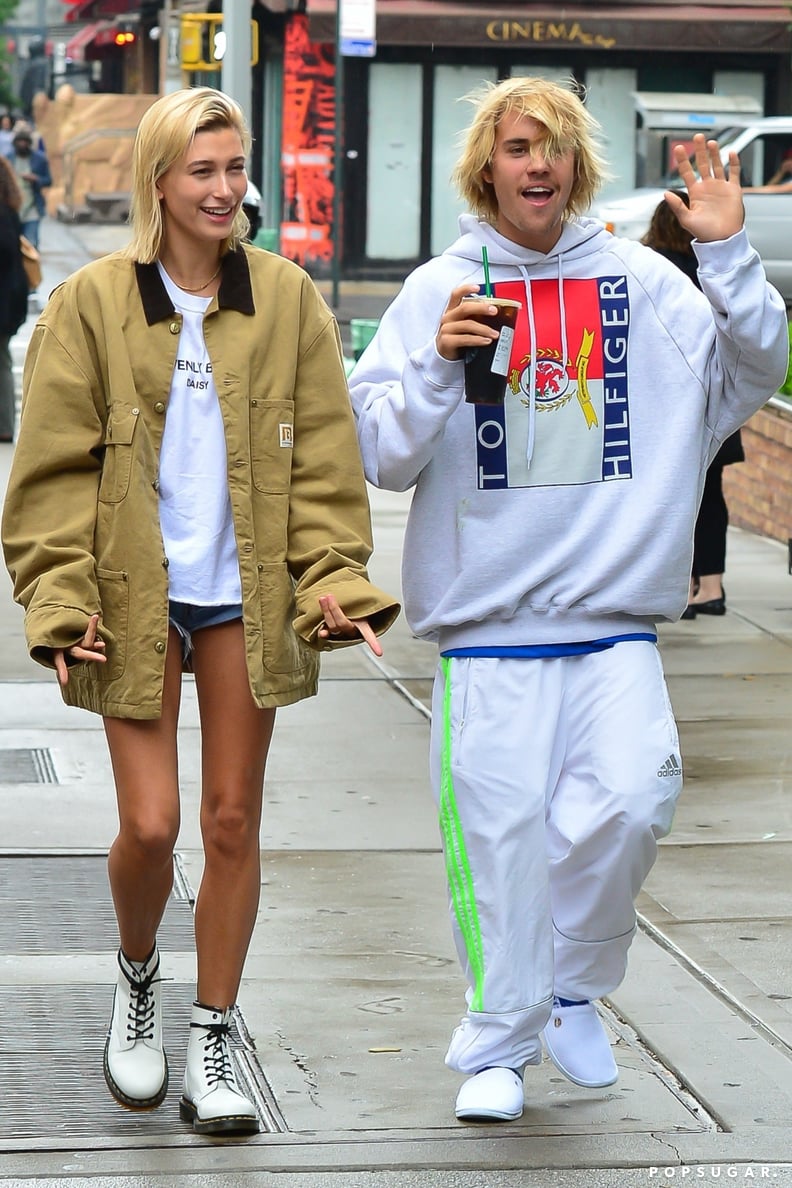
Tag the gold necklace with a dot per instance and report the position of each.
(205, 285)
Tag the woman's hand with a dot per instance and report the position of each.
(90, 647)
(337, 624)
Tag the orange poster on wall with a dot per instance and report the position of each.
(308, 140)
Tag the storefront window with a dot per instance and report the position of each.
(394, 161)
(609, 99)
(451, 117)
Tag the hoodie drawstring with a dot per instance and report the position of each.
(529, 449)
(533, 368)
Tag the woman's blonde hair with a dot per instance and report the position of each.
(164, 135)
(568, 126)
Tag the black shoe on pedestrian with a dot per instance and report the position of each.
(715, 606)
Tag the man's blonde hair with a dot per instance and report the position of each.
(164, 135)
(568, 125)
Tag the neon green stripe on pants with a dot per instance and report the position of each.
(460, 879)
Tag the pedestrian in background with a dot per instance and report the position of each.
(13, 293)
(187, 491)
(6, 133)
(706, 595)
(33, 176)
(547, 536)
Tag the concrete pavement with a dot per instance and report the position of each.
(351, 986)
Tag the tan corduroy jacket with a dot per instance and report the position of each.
(81, 519)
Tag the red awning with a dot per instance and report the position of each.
(75, 49)
(94, 10)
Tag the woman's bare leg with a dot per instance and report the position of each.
(235, 738)
(145, 767)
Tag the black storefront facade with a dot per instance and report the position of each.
(402, 113)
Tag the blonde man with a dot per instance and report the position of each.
(548, 535)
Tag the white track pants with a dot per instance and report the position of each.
(554, 779)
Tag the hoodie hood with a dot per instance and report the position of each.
(580, 237)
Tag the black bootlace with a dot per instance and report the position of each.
(142, 1008)
(217, 1056)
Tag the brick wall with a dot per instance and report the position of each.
(759, 491)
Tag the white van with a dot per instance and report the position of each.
(761, 146)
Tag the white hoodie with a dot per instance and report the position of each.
(568, 514)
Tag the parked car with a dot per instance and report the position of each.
(761, 145)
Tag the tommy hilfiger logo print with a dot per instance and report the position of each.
(671, 767)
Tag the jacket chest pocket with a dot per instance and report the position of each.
(117, 464)
(271, 444)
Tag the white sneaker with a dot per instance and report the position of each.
(135, 1065)
(578, 1045)
(212, 1099)
(493, 1095)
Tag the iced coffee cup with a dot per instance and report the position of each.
(487, 367)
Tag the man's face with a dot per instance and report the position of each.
(22, 147)
(532, 193)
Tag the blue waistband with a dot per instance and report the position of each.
(549, 651)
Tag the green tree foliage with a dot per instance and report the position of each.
(7, 96)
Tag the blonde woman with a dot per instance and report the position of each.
(193, 498)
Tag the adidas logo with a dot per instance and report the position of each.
(671, 767)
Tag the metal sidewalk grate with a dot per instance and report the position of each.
(62, 905)
(27, 765)
(53, 1040)
(54, 1032)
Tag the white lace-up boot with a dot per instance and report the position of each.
(135, 1065)
(212, 1099)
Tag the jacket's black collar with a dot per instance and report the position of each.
(235, 288)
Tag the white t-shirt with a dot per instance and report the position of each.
(195, 508)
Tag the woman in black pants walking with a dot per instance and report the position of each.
(706, 597)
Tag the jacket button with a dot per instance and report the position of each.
(155, 484)
(165, 562)
(174, 327)
(159, 407)
(159, 646)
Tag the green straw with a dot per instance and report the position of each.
(487, 285)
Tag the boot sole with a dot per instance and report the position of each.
(226, 1124)
(135, 1103)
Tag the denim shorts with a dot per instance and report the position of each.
(188, 619)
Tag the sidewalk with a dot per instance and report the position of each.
(351, 987)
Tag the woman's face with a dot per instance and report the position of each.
(202, 191)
